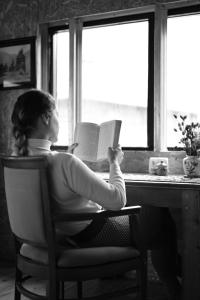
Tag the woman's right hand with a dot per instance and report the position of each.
(72, 147)
(115, 154)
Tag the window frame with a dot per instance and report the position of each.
(51, 32)
(150, 101)
(178, 12)
(75, 30)
(184, 10)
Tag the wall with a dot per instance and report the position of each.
(19, 18)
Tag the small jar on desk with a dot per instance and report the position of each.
(161, 169)
(158, 166)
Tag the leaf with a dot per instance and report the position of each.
(187, 127)
(175, 129)
(175, 116)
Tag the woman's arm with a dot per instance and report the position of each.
(83, 181)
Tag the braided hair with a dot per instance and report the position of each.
(27, 109)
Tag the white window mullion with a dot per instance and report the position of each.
(42, 48)
(72, 74)
(55, 68)
(78, 70)
(75, 65)
(160, 105)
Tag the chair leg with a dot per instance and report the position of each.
(52, 290)
(62, 290)
(17, 294)
(18, 278)
(79, 289)
(142, 281)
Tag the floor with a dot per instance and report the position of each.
(156, 290)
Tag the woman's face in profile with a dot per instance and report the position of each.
(54, 126)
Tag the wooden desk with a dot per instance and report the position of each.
(183, 193)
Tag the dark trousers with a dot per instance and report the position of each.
(158, 234)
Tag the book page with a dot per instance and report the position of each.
(86, 135)
(108, 137)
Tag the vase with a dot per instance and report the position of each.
(191, 166)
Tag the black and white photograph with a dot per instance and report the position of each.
(100, 149)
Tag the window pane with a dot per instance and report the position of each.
(61, 85)
(183, 72)
(115, 78)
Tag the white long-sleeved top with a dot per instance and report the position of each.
(76, 188)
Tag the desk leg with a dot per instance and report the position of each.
(191, 244)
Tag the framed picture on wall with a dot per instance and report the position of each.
(17, 63)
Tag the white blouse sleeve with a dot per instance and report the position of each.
(83, 181)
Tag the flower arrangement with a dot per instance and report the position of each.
(190, 135)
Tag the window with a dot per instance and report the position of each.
(116, 78)
(183, 68)
(60, 82)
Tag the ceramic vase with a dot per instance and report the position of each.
(191, 166)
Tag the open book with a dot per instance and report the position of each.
(93, 139)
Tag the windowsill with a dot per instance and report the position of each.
(137, 161)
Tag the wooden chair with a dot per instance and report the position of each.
(38, 254)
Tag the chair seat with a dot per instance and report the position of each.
(81, 256)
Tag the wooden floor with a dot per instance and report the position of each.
(156, 290)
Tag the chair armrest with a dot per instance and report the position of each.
(66, 217)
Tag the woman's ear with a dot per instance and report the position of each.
(45, 118)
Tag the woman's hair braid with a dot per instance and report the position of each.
(27, 109)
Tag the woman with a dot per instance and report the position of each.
(76, 188)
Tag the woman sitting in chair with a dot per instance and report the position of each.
(77, 188)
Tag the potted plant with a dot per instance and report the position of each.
(190, 140)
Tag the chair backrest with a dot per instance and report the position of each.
(27, 197)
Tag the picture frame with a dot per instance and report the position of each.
(17, 63)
